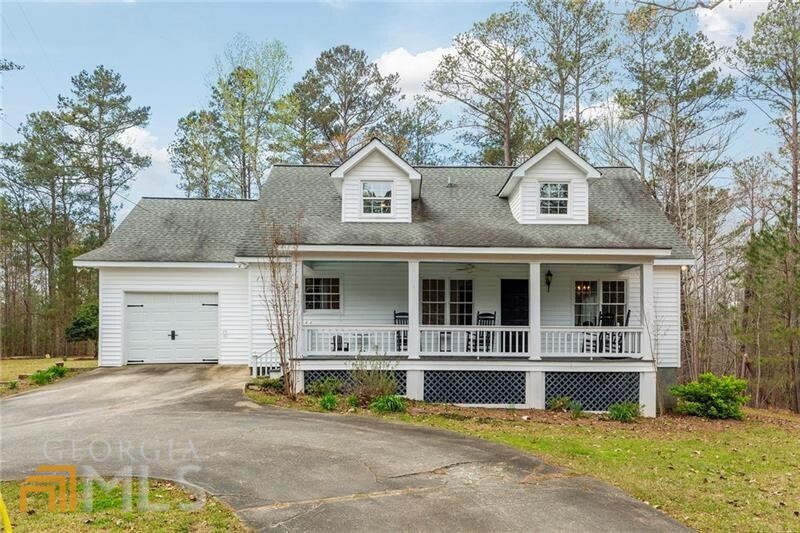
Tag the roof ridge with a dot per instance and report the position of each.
(195, 199)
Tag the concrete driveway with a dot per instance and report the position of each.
(288, 470)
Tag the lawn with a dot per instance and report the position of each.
(709, 475)
(11, 369)
(107, 512)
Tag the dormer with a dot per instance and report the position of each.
(376, 185)
(551, 187)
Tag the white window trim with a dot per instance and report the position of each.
(447, 280)
(540, 183)
(362, 214)
(599, 282)
(324, 312)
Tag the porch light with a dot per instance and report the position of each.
(548, 279)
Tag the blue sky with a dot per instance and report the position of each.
(165, 52)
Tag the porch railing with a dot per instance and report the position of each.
(355, 340)
(591, 341)
(474, 340)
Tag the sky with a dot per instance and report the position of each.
(165, 53)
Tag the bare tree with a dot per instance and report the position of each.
(281, 275)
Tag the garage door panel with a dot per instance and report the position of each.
(152, 317)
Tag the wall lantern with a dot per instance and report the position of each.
(548, 279)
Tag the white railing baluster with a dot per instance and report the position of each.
(591, 341)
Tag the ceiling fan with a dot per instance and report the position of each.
(469, 268)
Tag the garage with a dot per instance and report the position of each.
(171, 327)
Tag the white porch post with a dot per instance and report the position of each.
(299, 283)
(534, 311)
(413, 309)
(648, 309)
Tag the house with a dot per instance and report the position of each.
(482, 285)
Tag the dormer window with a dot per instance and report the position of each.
(376, 197)
(554, 199)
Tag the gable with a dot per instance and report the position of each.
(376, 168)
(531, 187)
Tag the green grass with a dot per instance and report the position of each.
(107, 513)
(710, 475)
(11, 369)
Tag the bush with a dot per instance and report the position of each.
(84, 324)
(712, 397)
(576, 409)
(624, 411)
(268, 384)
(41, 377)
(352, 401)
(329, 402)
(322, 387)
(388, 404)
(371, 380)
(12, 385)
(58, 371)
(560, 403)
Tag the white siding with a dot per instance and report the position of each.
(552, 168)
(371, 291)
(376, 167)
(558, 305)
(229, 284)
(667, 332)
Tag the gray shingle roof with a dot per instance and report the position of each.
(622, 214)
(179, 230)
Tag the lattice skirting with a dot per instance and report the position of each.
(474, 386)
(310, 376)
(595, 390)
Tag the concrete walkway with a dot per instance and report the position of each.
(296, 471)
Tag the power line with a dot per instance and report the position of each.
(33, 71)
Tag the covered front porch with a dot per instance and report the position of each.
(416, 309)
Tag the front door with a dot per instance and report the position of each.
(514, 312)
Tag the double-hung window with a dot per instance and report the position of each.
(593, 299)
(322, 294)
(614, 300)
(376, 197)
(441, 306)
(554, 199)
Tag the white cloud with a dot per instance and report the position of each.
(155, 180)
(729, 20)
(414, 69)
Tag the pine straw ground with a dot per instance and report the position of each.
(710, 475)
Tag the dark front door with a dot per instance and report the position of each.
(514, 312)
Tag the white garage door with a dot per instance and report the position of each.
(171, 328)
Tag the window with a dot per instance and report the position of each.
(433, 302)
(461, 302)
(322, 294)
(554, 199)
(614, 300)
(376, 197)
(440, 306)
(586, 303)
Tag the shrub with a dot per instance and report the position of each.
(624, 411)
(370, 380)
(41, 377)
(712, 397)
(12, 385)
(268, 384)
(388, 404)
(322, 387)
(83, 326)
(352, 401)
(58, 371)
(575, 409)
(329, 402)
(561, 403)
